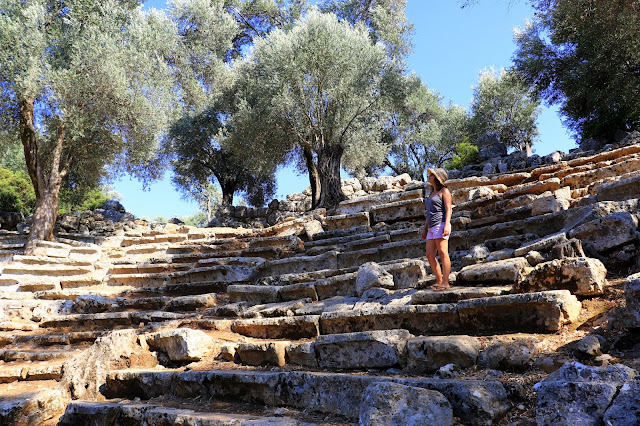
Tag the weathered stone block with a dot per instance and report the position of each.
(608, 232)
(501, 271)
(580, 275)
(369, 349)
(395, 404)
(262, 353)
(184, 344)
(428, 354)
(509, 352)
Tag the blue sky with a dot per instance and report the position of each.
(451, 46)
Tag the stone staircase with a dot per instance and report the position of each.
(294, 323)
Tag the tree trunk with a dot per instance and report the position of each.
(314, 180)
(329, 171)
(47, 191)
(228, 189)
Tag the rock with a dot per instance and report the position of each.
(590, 346)
(449, 371)
(114, 205)
(582, 276)
(624, 408)
(570, 248)
(623, 189)
(548, 204)
(509, 352)
(86, 372)
(502, 271)
(384, 183)
(262, 353)
(368, 349)
(395, 404)
(578, 394)
(312, 228)
(184, 344)
(632, 294)
(477, 254)
(608, 232)
(302, 354)
(542, 244)
(372, 275)
(428, 354)
(534, 257)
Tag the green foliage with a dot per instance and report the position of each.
(385, 19)
(83, 199)
(503, 105)
(198, 219)
(423, 132)
(198, 160)
(585, 56)
(314, 90)
(466, 153)
(16, 192)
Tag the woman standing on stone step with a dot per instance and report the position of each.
(437, 227)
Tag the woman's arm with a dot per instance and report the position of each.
(447, 200)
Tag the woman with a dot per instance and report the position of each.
(437, 227)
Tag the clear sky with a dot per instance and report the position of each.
(451, 46)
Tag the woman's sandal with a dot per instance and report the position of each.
(439, 287)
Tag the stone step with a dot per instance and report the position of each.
(346, 221)
(31, 402)
(109, 320)
(542, 312)
(475, 402)
(184, 289)
(398, 211)
(41, 260)
(44, 340)
(8, 355)
(32, 370)
(338, 233)
(366, 203)
(147, 268)
(93, 304)
(50, 269)
(184, 412)
(268, 253)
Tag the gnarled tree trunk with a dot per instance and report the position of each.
(329, 171)
(47, 190)
(314, 179)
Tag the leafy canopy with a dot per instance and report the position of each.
(585, 56)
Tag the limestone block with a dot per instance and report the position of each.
(624, 189)
(502, 271)
(85, 373)
(508, 179)
(582, 276)
(551, 184)
(312, 228)
(402, 249)
(535, 258)
(339, 285)
(272, 310)
(509, 352)
(399, 210)
(579, 394)
(428, 354)
(384, 183)
(354, 183)
(355, 258)
(297, 292)
(469, 182)
(403, 179)
(369, 349)
(372, 275)
(418, 319)
(297, 327)
(262, 353)
(253, 293)
(502, 254)
(456, 294)
(299, 264)
(614, 230)
(542, 244)
(302, 354)
(395, 404)
(35, 407)
(406, 273)
(548, 204)
(632, 294)
(346, 221)
(529, 312)
(624, 408)
(184, 344)
(570, 248)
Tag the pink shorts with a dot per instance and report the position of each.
(435, 232)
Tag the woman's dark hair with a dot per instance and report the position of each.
(439, 185)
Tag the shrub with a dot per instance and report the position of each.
(466, 153)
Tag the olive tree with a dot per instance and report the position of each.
(585, 56)
(86, 87)
(503, 105)
(424, 132)
(317, 91)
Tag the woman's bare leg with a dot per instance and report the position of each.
(442, 246)
(433, 261)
